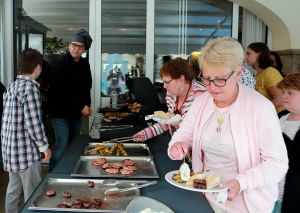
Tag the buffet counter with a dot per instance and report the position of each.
(179, 200)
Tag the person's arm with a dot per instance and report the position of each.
(186, 130)
(273, 162)
(33, 120)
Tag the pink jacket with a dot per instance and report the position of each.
(261, 152)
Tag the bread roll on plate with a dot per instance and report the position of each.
(162, 114)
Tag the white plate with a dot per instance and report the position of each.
(174, 119)
(169, 175)
(141, 203)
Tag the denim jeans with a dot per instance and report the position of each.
(65, 130)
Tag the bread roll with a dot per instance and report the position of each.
(163, 114)
(212, 180)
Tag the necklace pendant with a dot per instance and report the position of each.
(219, 129)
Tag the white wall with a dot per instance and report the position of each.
(281, 17)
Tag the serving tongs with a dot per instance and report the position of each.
(120, 140)
(115, 127)
(97, 115)
(134, 187)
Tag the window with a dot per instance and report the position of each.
(183, 27)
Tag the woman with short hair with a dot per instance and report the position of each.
(234, 132)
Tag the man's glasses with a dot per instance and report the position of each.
(219, 82)
(77, 46)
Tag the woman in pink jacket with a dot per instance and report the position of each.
(234, 132)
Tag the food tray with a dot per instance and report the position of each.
(132, 149)
(145, 167)
(79, 190)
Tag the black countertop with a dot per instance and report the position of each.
(179, 200)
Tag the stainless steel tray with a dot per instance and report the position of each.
(132, 149)
(145, 168)
(79, 190)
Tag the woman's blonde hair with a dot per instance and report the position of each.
(223, 51)
(291, 81)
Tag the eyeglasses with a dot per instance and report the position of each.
(168, 82)
(219, 82)
(77, 46)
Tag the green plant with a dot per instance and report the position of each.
(54, 45)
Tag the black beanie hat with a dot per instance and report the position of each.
(84, 37)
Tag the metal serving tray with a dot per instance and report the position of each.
(145, 167)
(132, 149)
(79, 190)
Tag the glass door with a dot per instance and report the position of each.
(123, 43)
(184, 26)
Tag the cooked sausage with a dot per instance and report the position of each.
(106, 165)
(98, 161)
(90, 184)
(126, 172)
(66, 194)
(130, 168)
(128, 162)
(61, 205)
(51, 193)
(112, 170)
(116, 165)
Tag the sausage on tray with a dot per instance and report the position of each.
(66, 194)
(51, 193)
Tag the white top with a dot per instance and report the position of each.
(290, 128)
(220, 156)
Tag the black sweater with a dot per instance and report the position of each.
(293, 149)
(69, 87)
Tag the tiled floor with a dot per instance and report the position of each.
(3, 185)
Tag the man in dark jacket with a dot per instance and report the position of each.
(69, 93)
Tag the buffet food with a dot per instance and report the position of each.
(126, 167)
(149, 210)
(105, 150)
(116, 115)
(162, 114)
(204, 180)
(135, 107)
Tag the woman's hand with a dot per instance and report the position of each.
(178, 150)
(234, 188)
(175, 124)
(139, 137)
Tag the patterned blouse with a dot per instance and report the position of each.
(157, 129)
(247, 79)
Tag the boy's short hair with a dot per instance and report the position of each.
(291, 81)
(28, 60)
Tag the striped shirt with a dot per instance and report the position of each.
(22, 135)
(157, 129)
